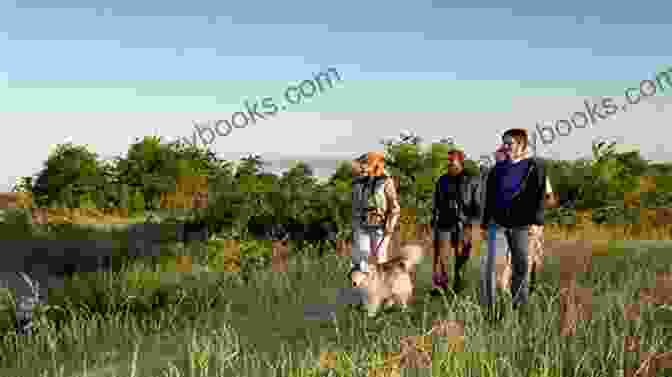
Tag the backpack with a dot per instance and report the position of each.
(449, 208)
(369, 201)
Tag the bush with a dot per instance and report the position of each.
(137, 203)
(616, 214)
(254, 256)
(15, 221)
(564, 216)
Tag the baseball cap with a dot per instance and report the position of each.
(453, 147)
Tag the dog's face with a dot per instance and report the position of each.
(362, 279)
(358, 278)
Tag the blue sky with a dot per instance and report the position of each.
(106, 72)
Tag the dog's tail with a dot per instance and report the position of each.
(412, 254)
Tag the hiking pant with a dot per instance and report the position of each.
(446, 240)
(535, 258)
(364, 241)
(499, 238)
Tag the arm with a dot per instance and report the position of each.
(475, 206)
(487, 208)
(394, 210)
(541, 194)
(435, 203)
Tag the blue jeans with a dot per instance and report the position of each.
(517, 241)
(362, 238)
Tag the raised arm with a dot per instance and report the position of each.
(394, 209)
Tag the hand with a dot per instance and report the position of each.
(483, 231)
(468, 232)
(382, 249)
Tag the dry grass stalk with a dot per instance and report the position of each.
(663, 216)
(448, 328)
(408, 224)
(328, 360)
(631, 343)
(344, 248)
(575, 306)
(16, 200)
(450, 333)
(577, 259)
(183, 263)
(664, 360)
(661, 294)
(416, 352)
(648, 366)
(40, 216)
(390, 368)
(231, 255)
(632, 312)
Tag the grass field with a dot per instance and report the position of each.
(144, 323)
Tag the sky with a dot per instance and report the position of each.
(103, 73)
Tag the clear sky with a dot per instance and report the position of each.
(468, 69)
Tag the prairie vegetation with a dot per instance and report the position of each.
(235, 306)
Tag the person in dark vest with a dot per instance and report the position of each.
(456, 206)
(515, 194)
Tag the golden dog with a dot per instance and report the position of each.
(392, 281)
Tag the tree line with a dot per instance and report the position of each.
(154, 175)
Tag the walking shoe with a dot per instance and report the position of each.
(440, 284)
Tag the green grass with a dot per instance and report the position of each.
(144, 323)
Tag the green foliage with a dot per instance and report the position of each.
(14, 222)
(86, 201)
(565, 216)
(250, 165)
(137, 202)
(151, 167)
(343, 173)
(616, 214)
(125, 197)
(68, 168)
(657, 199)
(254, 256)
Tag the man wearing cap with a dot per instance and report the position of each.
(514, 201)
(456, 207)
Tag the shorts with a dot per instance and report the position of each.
(455, 235)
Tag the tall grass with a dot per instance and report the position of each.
(145, 321)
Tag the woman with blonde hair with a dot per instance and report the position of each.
(375, 210)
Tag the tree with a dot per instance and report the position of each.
(611, 175)
(301, 174)
(250, 165)
(343, 173)
(71, 167)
